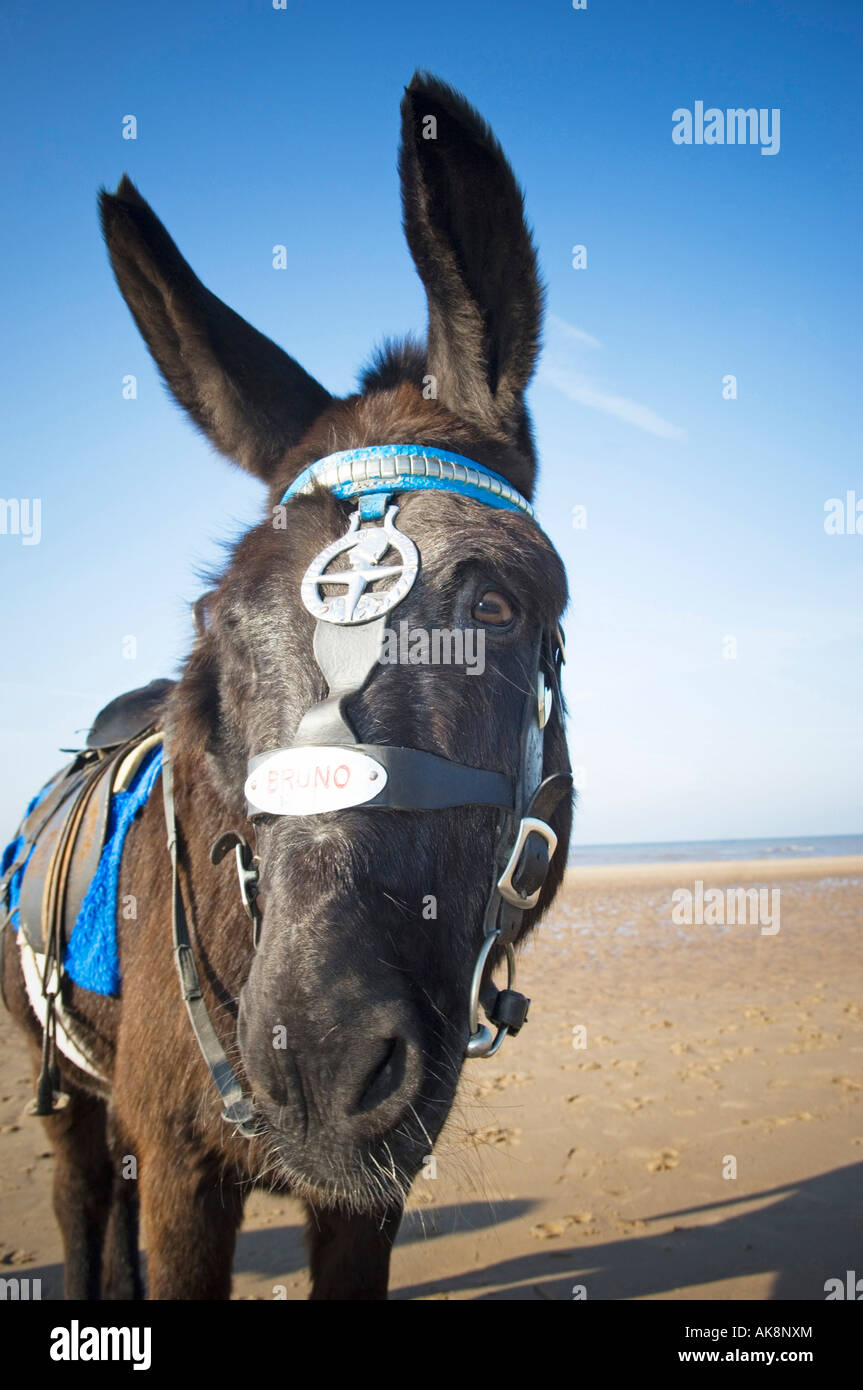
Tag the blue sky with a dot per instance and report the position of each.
(705, 516)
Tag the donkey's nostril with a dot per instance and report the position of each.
(385, 1075)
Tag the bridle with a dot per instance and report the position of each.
(326, 768)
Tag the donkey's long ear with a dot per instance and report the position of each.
(250, 398)
(464, 222)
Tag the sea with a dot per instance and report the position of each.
(681, 851)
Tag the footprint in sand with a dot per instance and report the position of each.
(668, 1159)
(502, 1082)
(631, 1067)
(778, 1121)
(624, 1225)
(496, 1136)
(550, 1230)
(16, 1257)
(699, 1071)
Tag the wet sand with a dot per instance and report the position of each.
(706, 1141)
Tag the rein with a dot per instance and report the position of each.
(326, 768)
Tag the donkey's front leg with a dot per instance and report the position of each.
(349, 1255)
(82, 1189)
(191, 1212)
(121, 1267)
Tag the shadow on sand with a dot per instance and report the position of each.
(811, 1231)
(807, 1233)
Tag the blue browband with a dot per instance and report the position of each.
(386, 468)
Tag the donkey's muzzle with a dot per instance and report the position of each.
(334, 1083)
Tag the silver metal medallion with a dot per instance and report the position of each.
(366, 548)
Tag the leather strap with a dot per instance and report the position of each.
(238, 1109)
(418, 781)
(536, 800)
(347, 656)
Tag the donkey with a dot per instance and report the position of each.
(335, 1031)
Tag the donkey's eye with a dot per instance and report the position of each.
(494, 609)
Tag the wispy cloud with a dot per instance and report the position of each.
(577, 386)
(568, 330)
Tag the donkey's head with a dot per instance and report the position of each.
(392, 773)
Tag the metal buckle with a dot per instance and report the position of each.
(527, 826)
(248, 875)
(481, 1043)
(544, 701)
(244, 1117)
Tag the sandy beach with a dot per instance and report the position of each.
(680, 1119)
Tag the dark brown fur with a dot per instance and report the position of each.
(373, 995)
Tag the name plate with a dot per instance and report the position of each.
(306, 781)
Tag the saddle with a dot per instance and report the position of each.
(68, 828)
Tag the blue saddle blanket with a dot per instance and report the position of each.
(91, 958)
